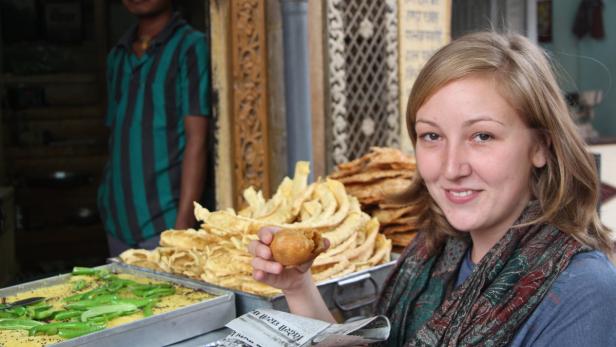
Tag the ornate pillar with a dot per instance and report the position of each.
(239, 64)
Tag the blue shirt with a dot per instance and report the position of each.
(578, 311)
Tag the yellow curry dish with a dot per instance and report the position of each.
(90, 301)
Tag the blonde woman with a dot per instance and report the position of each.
(512, 252)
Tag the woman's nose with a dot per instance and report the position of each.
(456, 163)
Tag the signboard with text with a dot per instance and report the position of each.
(425, 26)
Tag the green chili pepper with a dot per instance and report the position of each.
(105, 309)
(158, 292)
(18, 311)
(111, 316)
(55, 328)
(42, 315)
(87, 295)
(39, 311)
(147, 309)
(115, 286)
(104, 274)
(75, 297)
(79, 285)
(137, 302)
(46, 329)
(87, 304)
(96, 292)
(40, 304)
(98, 320)
(71, 333)
(8, 315)
(67, 314)
(151, 290)
(84, 271)
(30, 312)
(127, 282)
(152, 286)
(39, 307)
(16, 324)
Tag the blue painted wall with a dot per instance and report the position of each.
(578, 58)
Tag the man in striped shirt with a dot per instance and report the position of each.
(158, 111)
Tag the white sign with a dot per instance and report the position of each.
(425, 26)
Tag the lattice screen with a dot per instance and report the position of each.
(363, 77)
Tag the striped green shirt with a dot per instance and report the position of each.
(148, 98)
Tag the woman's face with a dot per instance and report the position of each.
(475, 155)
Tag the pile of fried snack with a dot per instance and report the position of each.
(217, 252)
(377, 179)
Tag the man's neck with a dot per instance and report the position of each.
(151, 26)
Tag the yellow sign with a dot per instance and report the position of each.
(425, 26)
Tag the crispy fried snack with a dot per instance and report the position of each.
(375, 179)
(217, 252)
(295, 246)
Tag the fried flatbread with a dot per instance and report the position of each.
(365, 249)
(398, 228)
(387, 216)
(365, 177)
(402, 239)
(324, 272)
(187, 239)
(379, 191)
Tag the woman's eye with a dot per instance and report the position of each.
(482, 137)
(430, 136)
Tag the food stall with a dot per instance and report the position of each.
(213, 261)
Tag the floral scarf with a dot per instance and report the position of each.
(492, 303)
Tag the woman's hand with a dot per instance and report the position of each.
(301, 294)
(267, 270)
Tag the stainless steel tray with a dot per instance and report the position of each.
(351, 295)
(157, 330)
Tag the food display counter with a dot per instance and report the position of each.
(349, 274)
(203, 322)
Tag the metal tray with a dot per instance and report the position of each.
(352, 295)
(157, 330)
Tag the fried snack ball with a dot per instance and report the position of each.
(294, 247)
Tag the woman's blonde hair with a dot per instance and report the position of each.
(567, 187)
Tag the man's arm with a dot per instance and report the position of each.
(193, 169)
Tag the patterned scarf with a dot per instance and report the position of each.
(493, 302)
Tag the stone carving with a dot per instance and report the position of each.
(393, 84)
(337, 82)
(363, 77)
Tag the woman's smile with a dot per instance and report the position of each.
(461, 195)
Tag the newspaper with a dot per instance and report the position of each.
(268, 327)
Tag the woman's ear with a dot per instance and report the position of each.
(539, 156)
